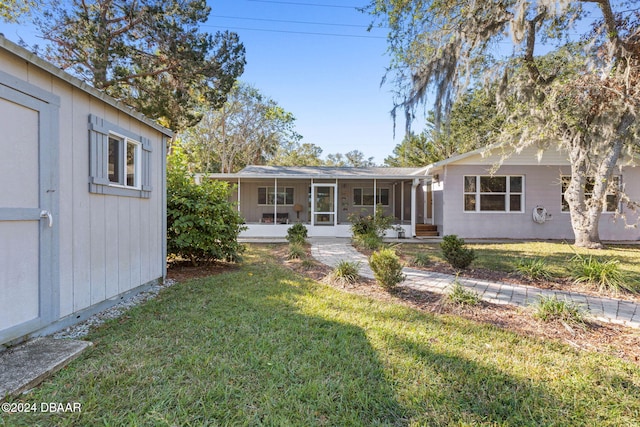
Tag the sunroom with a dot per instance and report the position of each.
(271, 198)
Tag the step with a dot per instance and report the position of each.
(424, 233)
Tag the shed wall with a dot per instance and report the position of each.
(108, 244)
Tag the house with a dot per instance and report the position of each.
(523, 198)
(462, 195)
(82, 201)
(270, 198)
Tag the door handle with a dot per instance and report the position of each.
(47, 214)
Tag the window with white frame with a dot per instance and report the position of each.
(124, 161)
(613, 199)
(364, 197)
(484, 193)
(119, 160)
(269, 195)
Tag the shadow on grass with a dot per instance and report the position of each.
(262, 346)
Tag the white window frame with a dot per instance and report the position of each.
(376, 199)
(606, 207)
(124, 146)
(507, 194)
(272, 190)
(100, 133)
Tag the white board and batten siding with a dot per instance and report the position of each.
(107, 243)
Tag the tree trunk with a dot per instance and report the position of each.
(596, 162)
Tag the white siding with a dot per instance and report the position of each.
(108, 244)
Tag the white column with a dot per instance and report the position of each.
(375, 196)
(238, 194)
(401, 202)
(275, 201)
(414, 186)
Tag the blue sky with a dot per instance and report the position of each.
(316, 59)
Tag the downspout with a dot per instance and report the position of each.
(414, 186)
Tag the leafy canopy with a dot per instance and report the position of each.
(150, 54)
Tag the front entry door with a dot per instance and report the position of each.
(324, 202)
(27, 212)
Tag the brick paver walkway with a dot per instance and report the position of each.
(331, 251)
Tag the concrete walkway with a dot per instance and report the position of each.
(331, 251)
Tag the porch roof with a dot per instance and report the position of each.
(321, 172)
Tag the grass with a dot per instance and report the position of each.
(533, 268)
(261, 345)
(605, 274)
(505, 257)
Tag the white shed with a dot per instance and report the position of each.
(82, 198)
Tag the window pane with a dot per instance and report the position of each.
(114, 160)
(262, 195)
(367, 197)
(515, 203)
(493, 184)
(469, 184)
(383, 198)
(469, 202)
(612, 202)
(131, 164)
(357, 196)
(515, 184)
(288, 195)
(491, 202)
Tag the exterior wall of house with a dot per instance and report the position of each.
(542, 188)
(108, 244)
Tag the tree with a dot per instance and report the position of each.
(582, 97)
(296, 154)
(13, 10)
(354, 158)
(148, 53)
(248, 129)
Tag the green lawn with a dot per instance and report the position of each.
(261, 345)
(503, 256)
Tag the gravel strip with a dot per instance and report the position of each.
(80, 330)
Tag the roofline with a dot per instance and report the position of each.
(462, 156)
(307, 176)
(74, 81)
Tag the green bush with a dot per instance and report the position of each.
(202, 225)
(456, 253)
(386, 267)
(533, 268)
(297, 250)
(297, 233)
(606, 274)
(549, 309)
(345, 272)
(370, 225)
(420, 259)
(370, 241)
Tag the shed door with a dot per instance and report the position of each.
(27, 216)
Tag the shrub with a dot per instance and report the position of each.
(533, 268)
(455, 252)
(345, 272)
(373, 225)
(202, 225)
(605, 274)
(421, 259)
(462, 296)
(297, 250)
(549, 309)
(297, 233)
(386, 267)
(370, 242)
